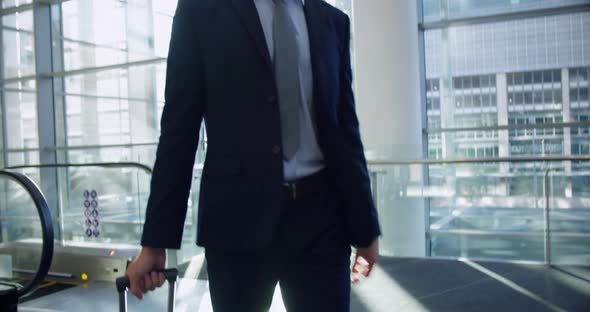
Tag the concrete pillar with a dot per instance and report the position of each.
(390, 111)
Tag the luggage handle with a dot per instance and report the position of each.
(122, 283)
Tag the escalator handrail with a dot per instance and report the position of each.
(141, 166)
(46, 225)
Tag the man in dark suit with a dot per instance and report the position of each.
(285, 189)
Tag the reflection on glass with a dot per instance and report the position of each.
(21, 119)
(526, 73)
(119, 106)
(489, 210)
(20, 232)
(135, 31)
(104, 205)
(21, 21)
(19, 55)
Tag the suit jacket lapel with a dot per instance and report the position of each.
(246, 9)
(315, 25)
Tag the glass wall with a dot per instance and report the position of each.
(509, 85)
(114, 94)
(18, 97)
(106, 67)
(106, 73)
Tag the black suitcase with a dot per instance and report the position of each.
(171, 276)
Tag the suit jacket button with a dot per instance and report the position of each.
(276, 149)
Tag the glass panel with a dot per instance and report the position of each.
(432, 11)
(121, 106)
(557, 75)
(163, 13)
(528, 78)
(495, 211)
(547, 76)
(104, 205)
(477, 210)
(19, 105)
(574, 95)
(525, 72)
(21, 119)
(20, 233)
(21, 21)
(490, 210)
(538, 77)
(107, 206)
(137, 30)
(144, 154)
(19, 55)
(570, 213)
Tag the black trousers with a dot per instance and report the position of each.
(309, 258)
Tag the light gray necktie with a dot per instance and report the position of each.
(286, 63)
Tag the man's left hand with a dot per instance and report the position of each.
(364, 260)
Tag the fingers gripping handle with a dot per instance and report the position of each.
(123, 282)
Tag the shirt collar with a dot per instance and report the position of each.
(303, 2)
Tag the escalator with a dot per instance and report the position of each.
(100, 211)
(89, 264)
(24, 218)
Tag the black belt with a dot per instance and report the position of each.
(305, 186)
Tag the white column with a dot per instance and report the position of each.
(389, 106)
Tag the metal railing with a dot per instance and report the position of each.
(46, 226)
(171, 253)
(141, 166)
(547, 232)
(546, 170)
(137, 165)
(480, 160)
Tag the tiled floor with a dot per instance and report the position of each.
(397, 284)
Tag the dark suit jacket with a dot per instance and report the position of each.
(219, 70)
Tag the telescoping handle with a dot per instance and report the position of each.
(171, 276)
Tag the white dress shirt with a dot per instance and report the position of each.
(309, 158)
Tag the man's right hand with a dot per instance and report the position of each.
(142, 271)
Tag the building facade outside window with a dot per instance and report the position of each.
(513, 82)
